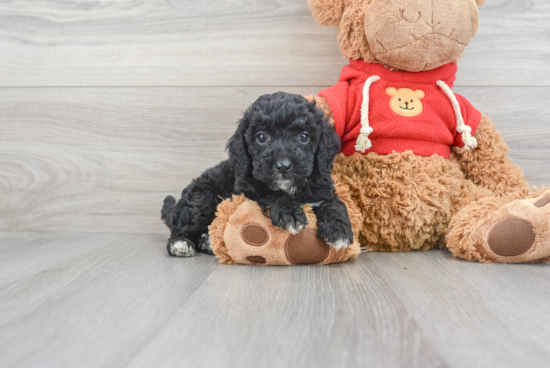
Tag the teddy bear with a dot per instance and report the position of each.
(420, 168)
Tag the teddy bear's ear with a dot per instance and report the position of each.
(327, 12)
(391, 91)
(419, 93)
(480, 2)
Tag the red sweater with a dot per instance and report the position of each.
(406, 111)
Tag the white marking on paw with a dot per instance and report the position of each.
(206, 242)
(296, 230)
(182, 249)
(293, 230)
(339, 244)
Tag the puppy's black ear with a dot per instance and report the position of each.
(329, 145)
(237, 149)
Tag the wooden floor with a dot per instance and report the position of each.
(108, 106)
(117, 300)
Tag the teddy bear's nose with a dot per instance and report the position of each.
(406, 104)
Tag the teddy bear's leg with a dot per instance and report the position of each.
(503, 229)
(510, 226)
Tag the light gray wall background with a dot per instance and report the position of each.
(108, 106)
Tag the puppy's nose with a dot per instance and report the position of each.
(283, 166)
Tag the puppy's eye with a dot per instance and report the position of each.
(304, 137)
(261, 138)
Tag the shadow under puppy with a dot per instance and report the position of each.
(281, 157)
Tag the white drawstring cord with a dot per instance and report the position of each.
(363, 141)
(461, 127)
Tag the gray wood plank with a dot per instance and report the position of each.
(128, 304)
(103, 159)
(338, 316)
(230, 43)
(512, 47)
(99, 307)
(476, 315)
(24, 254)
(169, 43)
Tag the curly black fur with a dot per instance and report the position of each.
(282, 173)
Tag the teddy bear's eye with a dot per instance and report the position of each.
(399, 99)
(412, 101)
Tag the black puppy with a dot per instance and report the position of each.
(281, 157)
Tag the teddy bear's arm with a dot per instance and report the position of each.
(323, 105)
(488, 165)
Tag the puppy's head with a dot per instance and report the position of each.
(281, 140)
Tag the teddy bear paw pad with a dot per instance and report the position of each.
(511, 237)
(542, 202)
(306, 248)
(255, 235)
(520, 232)
(256, 259)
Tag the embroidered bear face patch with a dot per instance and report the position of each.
(405, 101)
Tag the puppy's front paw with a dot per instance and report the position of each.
(181, 248)
(293, 220)
(204, 245)
(339, 244)
(337, 233)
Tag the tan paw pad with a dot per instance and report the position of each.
(256, 259)
(306, 248)
(511, 237)
(255, 235)
(542, 202)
